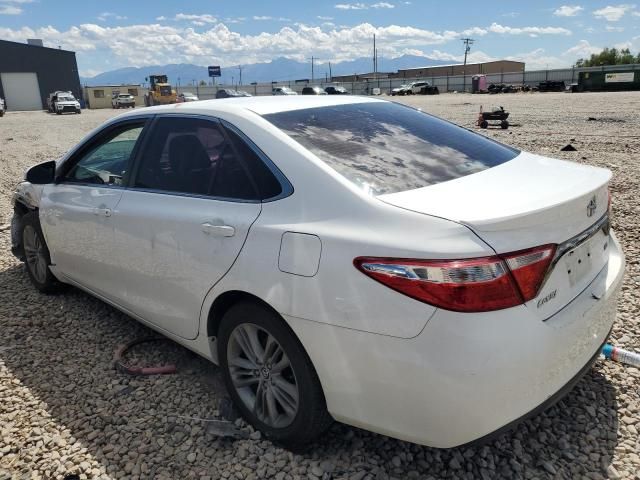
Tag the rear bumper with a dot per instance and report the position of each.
(465, 376)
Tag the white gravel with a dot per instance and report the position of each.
(63, 409)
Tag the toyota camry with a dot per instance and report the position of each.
(340, 258)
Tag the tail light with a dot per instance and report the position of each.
(469, 285)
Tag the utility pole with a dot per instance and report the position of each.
(240, 68)
(467, 47)
(375, 65)
(330, 75)
(312, 69)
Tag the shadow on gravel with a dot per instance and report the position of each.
(61, 348)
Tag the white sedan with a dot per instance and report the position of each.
(339, 257)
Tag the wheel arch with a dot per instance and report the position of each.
(225, 301)
(228, 299)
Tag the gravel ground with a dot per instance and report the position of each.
(63, 408)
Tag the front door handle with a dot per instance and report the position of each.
(105, 212)
(218, 230)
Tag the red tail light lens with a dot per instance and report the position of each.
(529, 268)
(469, 285)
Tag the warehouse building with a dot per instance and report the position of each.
(99, 96)
(486, 68)
(29, 72)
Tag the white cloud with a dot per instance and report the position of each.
(611, 28)
(582, 49)
(539, 59)
(497, 28)
(322, 17)
(161, 18)
(613, 13)
(202, 19)
(10, 10)
(152, 44)
(568, 11)
(364, 6)
(104, 16)
(267, 17)
(351, 6)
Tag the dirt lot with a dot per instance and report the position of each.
(63, 409)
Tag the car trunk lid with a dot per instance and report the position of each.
(524, 203)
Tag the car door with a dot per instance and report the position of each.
(76, 212)
(183, 222)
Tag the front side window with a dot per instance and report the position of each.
(200, 157)
(107, 162)
(384, 147)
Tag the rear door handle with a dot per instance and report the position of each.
(105, 212)
(218, 230)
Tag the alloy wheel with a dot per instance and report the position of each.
(262, 375)
(35, 254)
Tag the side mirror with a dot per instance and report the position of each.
(42, 173)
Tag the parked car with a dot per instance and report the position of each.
(3, 108)
(242, 93)
(313, 91)
(351, 259)
(123, 100)
(187, 97)
(227, 93)
(63, 102)
(331, 90)
(283, 91)
(415, 88)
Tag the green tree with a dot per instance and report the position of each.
(609, 56)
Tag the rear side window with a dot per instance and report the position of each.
(200, 157)
(384, 147)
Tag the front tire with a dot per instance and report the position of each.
(269, 375)
(36, 255)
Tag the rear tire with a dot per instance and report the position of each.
(270, 376)
(504, 124)
(36, 255)
(484, 124)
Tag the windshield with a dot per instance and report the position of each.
(65, 98)
(384, 147)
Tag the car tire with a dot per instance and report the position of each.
(78, 111)
(293, 409)
(36, 255)
(58, 112)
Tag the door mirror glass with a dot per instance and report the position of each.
(42, 173)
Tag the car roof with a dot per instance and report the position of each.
(261, 105)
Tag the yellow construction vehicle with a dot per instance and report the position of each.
(160, 91)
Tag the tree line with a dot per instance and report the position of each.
(609, 56)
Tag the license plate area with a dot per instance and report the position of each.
(587, 259)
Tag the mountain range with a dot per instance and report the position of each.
(280, 69)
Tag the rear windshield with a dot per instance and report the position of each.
(384, 147)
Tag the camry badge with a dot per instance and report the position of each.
(592, 206)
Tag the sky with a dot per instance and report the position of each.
(115, 34)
